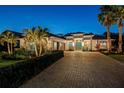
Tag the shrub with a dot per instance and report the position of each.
(2, 53)
(13, 57)
(17, 56)
(16, 74)
(20, 51)
(8, 57)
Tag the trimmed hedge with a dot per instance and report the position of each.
(15, 75)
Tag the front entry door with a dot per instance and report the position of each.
(78, 45)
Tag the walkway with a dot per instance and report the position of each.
(81, 69)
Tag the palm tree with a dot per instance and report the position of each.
(106, 18)
(32, 37)
(12, 41)
(5, 37)
(119, 11)
(43, 36)
(38, 37)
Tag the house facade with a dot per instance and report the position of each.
(85, 42)
(72, 42)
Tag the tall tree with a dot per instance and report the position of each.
(38, 36)
(43, 39)
(106, 18)
(32, 37)
(9, 38)
(12, 41)
(119, 11)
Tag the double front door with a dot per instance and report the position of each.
(78, 45)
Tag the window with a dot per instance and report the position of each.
(103, 44)
(55, 45)
(70, 45)
(17, 44)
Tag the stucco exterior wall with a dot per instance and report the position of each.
(56, 43)
(87, 45)
(22, 43)
(94, 43)
(101, 42)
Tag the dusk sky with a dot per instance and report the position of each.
(59, 19)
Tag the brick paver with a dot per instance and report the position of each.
(81, 69)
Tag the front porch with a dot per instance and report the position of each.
(79, 46)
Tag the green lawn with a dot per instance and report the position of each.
(118, 57)
(4, 63)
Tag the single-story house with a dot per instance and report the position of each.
(75, 41)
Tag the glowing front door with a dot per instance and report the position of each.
(70, 46)
(78, 45)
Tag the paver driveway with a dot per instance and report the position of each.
(81, 69)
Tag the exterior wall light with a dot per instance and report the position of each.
(73, 44)
(82, 43)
